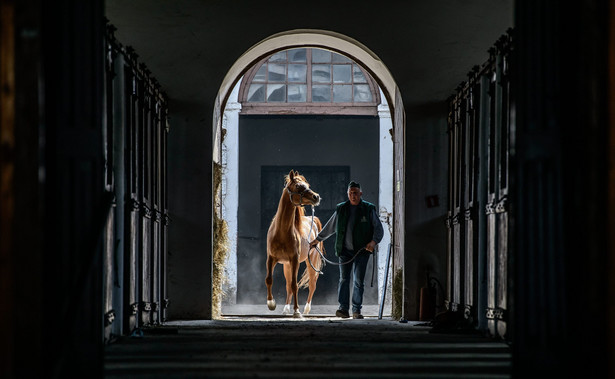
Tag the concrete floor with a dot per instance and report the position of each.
(318, 311)
(265, 345)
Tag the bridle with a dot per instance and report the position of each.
(300, 193)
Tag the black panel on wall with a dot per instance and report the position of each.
(329, 151)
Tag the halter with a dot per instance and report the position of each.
(300, 193)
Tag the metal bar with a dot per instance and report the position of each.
(384, 283)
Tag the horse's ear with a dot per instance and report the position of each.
(291, 175)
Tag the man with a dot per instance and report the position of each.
(358, 230)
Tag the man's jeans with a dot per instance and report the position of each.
(358, 267)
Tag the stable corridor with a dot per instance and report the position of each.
(502, 120)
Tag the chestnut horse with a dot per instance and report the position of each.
(287, 242)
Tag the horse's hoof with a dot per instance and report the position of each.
(307, 309)
(271, 304)
(297, 314)
(286, 310)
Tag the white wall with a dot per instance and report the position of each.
(230, 186)
(385, 200)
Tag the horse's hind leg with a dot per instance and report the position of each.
(294, 266)
(289, 290)
(269, 281)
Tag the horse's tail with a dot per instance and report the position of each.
(313, 257)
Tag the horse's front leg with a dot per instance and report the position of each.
(294, 265)
(313, 278)
(288, 275)
(269, 281)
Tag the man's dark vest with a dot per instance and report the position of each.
(363, 230)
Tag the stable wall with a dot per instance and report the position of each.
(190, 197)
(426, 177)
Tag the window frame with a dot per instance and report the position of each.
(309, 107)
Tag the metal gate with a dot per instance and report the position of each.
(136, 234)
(479, 126)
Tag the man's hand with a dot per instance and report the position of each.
(370, 246)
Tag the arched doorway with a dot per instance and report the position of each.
(343, 50)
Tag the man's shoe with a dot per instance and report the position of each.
(342, 313)
(357, 315)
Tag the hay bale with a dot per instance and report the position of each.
(219, 279)
(220, 246)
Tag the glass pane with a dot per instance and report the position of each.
(277, 72)
(297, 73)
(276, 93)
(261, 74)
(342, 94)
(358, 75)
(362, 93)
(280, 56)
(337, 58)
(297, 55)
(321, 93)
(321, 73)
(341, 73)
(321, 56)
(256, 93)
(297, 93)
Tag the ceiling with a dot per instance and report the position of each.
(428, 46)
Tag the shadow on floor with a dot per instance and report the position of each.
(316, 346)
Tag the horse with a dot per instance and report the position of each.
(288, 242)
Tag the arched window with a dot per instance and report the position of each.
(308, 81)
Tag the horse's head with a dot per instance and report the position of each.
(299, 190)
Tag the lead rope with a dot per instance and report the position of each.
(323, 257)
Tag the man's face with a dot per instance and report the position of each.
(354, 195)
